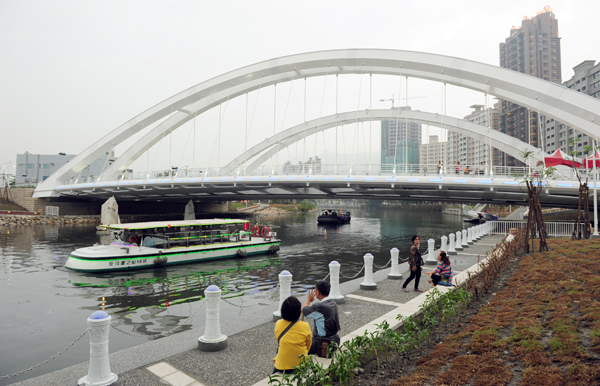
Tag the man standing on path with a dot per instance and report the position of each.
(324, 313)
(416, 262)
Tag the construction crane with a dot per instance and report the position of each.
(398, 99)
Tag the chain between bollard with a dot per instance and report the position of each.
(47, 360)
(348, 277)
(269, 298)
(164, 333)
(378, 267)
(326, 276)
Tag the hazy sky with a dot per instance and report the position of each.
(72, 71)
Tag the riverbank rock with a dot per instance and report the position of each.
(271, 211)
(8, 220)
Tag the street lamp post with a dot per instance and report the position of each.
(595, 234)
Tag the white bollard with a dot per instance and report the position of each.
(334, 291)
(99, 370)
(285, 290)
(477, 234)
(431, 257)
(458, 245)
(470, 236)
(465, 244)
(395, 272)
(444, 244)
(212, 340)
(368, 283)
(451, 250)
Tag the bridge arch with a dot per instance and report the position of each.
(270, 146)
(567, 106)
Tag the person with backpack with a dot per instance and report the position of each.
(325, 316)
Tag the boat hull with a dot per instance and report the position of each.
(333, 220)
(107, 258)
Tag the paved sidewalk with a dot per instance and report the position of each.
(176, 360)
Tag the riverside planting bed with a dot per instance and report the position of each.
(539, 324)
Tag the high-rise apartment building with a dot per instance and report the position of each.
(585, 79)
(400, 140)
(468, 151)
(534, 49)
(433, 152)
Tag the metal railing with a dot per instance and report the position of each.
(432, 170)
(554, 229)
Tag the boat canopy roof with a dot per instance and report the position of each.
(178, 223)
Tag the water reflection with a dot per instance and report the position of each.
(41, 300)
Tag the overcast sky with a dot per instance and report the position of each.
(72, 71)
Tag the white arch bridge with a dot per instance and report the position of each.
(244, 177)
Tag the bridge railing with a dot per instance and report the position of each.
(430, 170)
(553, 228)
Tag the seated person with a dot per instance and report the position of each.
(467, 170)
(443, 272)
(294, 337)
(324, 314)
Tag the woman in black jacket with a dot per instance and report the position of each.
(416, 262)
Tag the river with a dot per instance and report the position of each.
(45, 306)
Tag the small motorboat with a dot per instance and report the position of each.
(333, 216)
(476, 220)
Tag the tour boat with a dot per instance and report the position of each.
(333, 216)
(162, 243)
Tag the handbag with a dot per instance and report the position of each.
(283, 333)
(323, 343)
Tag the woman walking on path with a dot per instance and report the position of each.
(443, 272)
(416, 262)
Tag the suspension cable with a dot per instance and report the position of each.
(397, 136)
(283, 121)
(406, 125)
(354, 143)
(316, 146)
(251, 121)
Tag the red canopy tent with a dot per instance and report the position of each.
(589, 161)
(560, 158)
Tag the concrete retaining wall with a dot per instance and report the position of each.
(23, 197)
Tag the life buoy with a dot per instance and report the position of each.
(265, 232)
(256, 231)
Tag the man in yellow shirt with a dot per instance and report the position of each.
(294, 337)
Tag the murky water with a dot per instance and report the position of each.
(45, 307)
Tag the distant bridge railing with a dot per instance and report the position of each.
(554, 229)
(474, 171)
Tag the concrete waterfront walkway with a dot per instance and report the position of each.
(176, 360)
